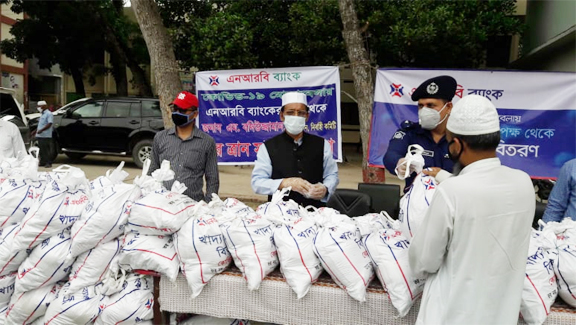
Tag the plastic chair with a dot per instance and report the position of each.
(352, 203)
(385, 197)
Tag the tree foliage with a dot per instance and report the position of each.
(400, 33)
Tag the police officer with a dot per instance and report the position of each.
(434, 97)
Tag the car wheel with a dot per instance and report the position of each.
(142, 151)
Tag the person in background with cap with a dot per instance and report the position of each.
(434, 97)
(44, 136)
(296, 159)
(473, 241)
(191, 152)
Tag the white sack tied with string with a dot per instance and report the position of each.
(149, 252)
(80, 307)
(294, 238)
(339, 247)
(201, 249)
(540, 284)
(90, 267)
(113, 177)
(388, 250)
(46, 264)
(162, 212)
(104, 218)
(155, 182)
(563, 234)
(31, 305)
(249, 238)
(60, 206)
(9, 262)
(414, 204)
(132, 305)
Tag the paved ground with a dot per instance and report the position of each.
(234, 180)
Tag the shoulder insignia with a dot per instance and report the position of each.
(399, 135)
(406, 125)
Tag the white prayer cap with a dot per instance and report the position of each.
(41, 103)
(473, 115)
(294, 97)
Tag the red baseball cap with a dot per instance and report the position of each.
(186, 100)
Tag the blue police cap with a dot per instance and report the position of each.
(443, 87)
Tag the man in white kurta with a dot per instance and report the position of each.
(473, 242)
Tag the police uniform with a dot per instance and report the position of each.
(435, 154)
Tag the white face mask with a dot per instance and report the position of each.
(429, 118)
(39, 109)
(294, 124)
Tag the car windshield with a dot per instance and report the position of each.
(8, 106)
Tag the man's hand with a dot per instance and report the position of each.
(431, 171)
(298, 184)
(318, 191)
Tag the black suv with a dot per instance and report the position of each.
(110, 126)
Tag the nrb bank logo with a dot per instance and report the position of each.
(396, 90)
(214, 81)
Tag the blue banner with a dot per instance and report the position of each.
(240, 120)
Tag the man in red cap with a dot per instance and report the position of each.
(191, 152)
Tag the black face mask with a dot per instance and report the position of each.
(180, 119)
(452, 157)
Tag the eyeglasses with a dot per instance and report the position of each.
(183, 111)
(292, 112)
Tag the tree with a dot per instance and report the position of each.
(55, 33)
(362, 75)
(159, 43)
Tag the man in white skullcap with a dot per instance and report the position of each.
(296, 159)
(474, 239)
(44, 136)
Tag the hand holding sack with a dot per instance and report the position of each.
(413, 162)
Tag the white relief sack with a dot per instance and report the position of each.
(112, 177)
(132, 305)
(148, 252)
(46, 264)
(91, 267)
(388, 250)
(104, 218)
(9, 262)
(18, 196)
(414, 204)
(540, 285)
(80, 307)
(251, 244)
(59, 207)
(31, 305)
(6, 288)
(565, 266)
(161, 213)
(201, 250)
(339, 247)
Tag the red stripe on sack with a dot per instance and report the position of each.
(540, 297)
(402, 272)
(157, 208)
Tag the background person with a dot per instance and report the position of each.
(11, 143)
(296, 158)
(191, 152)
(562, 199)
(44, 136)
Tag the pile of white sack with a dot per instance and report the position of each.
(71, 249)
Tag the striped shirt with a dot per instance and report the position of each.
(190, 159)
